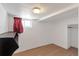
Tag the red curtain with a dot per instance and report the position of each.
(18, 27)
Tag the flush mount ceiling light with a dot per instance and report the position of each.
(36, 10)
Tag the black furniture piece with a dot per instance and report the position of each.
(8, 43)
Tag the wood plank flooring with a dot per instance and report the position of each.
(49, 50)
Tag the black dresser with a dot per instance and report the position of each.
(8, 43)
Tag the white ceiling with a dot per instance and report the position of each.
(24, 10)
(65, 15)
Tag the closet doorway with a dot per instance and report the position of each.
(73, 35)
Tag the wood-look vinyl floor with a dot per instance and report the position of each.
(49, 50)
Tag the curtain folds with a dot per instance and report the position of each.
(18, 27)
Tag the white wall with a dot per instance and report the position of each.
(3, 20)
(10, 22)
(41, 33)
(51, 31)
(78, 30)
(36, 36)
(59, 27)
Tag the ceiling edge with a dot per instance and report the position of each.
(59, 12)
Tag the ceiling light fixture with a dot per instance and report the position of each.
(36, 10)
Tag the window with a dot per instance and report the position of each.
(27, 23)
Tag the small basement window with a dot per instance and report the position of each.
(27, 23)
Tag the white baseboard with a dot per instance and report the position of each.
(19, 50)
